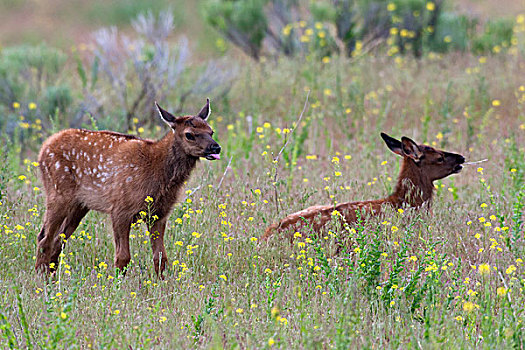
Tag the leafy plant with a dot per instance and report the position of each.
(497, 35)
(242, 22)
(28, 75)
(149, 62)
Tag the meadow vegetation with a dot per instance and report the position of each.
(450, 277)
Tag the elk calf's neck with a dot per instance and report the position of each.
(421, 166)
(114, 173)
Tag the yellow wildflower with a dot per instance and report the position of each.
(484, 269)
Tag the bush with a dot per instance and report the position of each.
(29, 85)
(120, 12)
(452, 33)
(344, 20)
(120, 78)
(496, 35)
(273, 26)
(57, 98)
(128, 75)
(366, 20)
(242, 22)
(25, 69)
(410, 26)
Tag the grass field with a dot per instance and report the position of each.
(453, 277)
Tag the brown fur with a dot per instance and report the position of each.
(421, 166)
(113, 173)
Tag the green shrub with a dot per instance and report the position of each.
(57, 98)
(25, 69)
(46, 61)
(415, 21)
(242, 22)
(411, 26)
(324, 11)
(128, 73)
(345, 24)
(452, 32)
(123, 11)
(28, 83)
(496, 34)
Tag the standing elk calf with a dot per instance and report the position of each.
(114, 173)
(421, 166)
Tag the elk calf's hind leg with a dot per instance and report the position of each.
(121, 228)
(157, 245)
(70, 224)
(53, 219)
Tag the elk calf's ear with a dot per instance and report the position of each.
(393, 144)
(411, 149)
(167, 117)
(205, 111)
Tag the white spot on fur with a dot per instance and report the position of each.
(129, 179)
(57, 165)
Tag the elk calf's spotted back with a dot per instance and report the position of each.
(421, 166)
(114, 173)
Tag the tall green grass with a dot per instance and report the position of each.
(451, 277)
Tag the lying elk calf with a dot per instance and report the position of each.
(114, 173)
(421, 166)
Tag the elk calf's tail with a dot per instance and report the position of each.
(315, 216)
(270, 230)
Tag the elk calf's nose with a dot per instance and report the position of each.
(215, 148)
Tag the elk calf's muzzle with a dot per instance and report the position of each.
(212, 153)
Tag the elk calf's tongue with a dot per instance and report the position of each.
(215, 156)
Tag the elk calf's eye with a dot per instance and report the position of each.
(189, 136)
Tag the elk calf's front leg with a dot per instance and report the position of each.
(157, 245)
